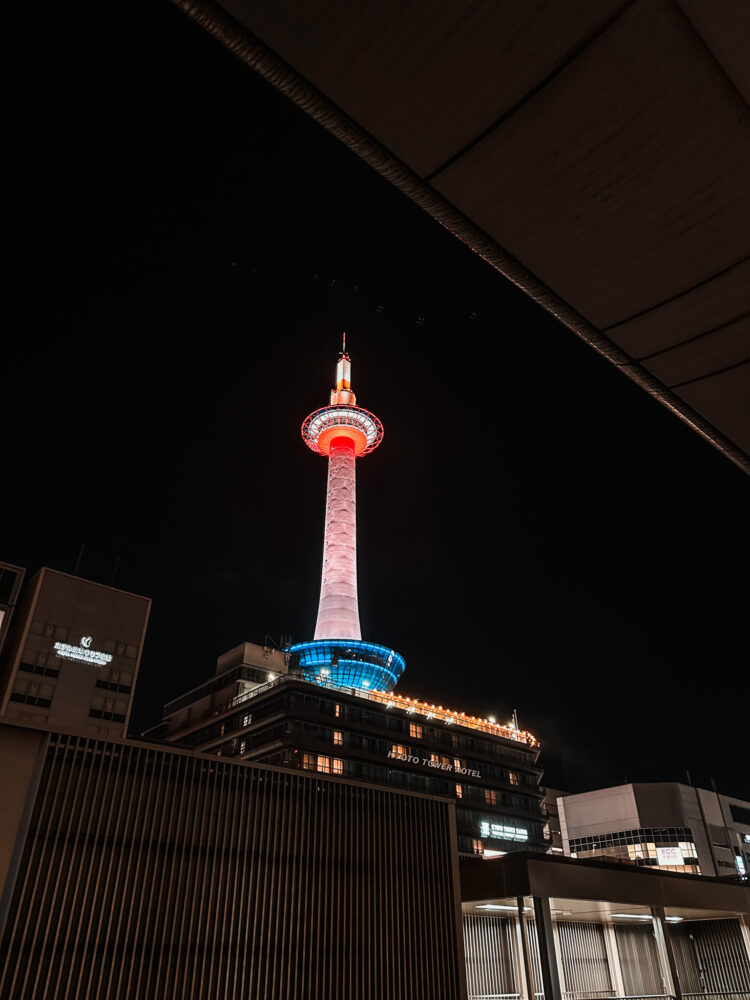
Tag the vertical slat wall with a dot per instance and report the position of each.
(584, 959)
(535, 958)
(150, 873)
(639, 960)
(492, 967)
(711, 957)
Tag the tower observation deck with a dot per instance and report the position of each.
(343, 432)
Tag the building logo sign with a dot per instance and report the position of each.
(441, 765)
(669, 856)
(499, 832)
(84, 652)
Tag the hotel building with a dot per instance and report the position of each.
(261, 707)
(72, 654)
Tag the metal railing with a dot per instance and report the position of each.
(389, 700)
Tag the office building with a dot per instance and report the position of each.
(665, 825)
(72, 655)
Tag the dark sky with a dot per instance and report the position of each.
(183, 249)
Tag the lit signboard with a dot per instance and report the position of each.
(499, 832)
(84, 652)
(441, 765)
(669, 856)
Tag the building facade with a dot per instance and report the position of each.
(666, 825)
(72, 655)
(548, 926)
(134, 871)
(278, 716)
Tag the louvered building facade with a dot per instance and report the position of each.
(136, 871)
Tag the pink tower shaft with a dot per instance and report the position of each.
(338, 611)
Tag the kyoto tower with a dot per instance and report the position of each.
(343, 432)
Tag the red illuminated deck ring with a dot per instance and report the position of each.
(330, 422)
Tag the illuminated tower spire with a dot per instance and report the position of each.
(343, 432)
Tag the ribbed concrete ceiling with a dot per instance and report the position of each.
(597, 153)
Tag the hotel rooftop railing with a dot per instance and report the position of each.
(412, 706)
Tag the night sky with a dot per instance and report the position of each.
(184, 248)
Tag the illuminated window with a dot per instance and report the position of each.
(308, 762)
(435, 758)
(513, 777)
(490, 797)
(324, 764)
(458, 763)
(247, 719)
(477, 846)
(460, 791)
(338, 738)
(243, 746)
(337, 711)
(338, 766)
(415, 731)
(397, 749)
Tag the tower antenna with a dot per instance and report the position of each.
(343, 342)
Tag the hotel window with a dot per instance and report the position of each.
(460, 791)
(324, 764)
(415, 731)
(338, 738)
(397, 749)
(477, 846)
(338, 766)
(308, 762)
(243, 746)
(513, 777)
(337, 711)
(490, 797)
(458, 763)
(247, 719)
(435, 758)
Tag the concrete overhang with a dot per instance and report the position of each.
(596, 154)
(544, 875)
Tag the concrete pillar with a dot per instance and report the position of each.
(666, 954)
(526, 985)
(547, 950)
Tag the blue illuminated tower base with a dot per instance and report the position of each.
(349, 663)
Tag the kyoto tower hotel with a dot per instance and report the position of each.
(328, 704)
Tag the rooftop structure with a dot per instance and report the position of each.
(343, 432)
